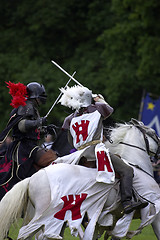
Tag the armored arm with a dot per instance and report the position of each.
(25, 124)
(30, 117)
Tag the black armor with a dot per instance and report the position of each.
(29, 123)
(25, 123)
(36, 90)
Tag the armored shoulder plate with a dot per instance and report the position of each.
(27, 110)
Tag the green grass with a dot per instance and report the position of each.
(147, 233)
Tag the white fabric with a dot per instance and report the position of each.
(72, 158)
(86, 127)
(107, 175)
(82, 129)
(102, 176)
(66, 180)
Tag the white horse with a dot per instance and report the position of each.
(46, 190)
(136, 144)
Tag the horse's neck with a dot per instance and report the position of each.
(132, 154)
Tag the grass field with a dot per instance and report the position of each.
(147, 233)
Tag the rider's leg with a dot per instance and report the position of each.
(126, 180)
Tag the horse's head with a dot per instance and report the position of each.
(152, 141)
(135, 143)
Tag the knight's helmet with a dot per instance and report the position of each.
(76, 97)
(36, 90)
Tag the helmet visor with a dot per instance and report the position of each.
(43, 98)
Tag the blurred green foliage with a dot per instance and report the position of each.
(114, 46)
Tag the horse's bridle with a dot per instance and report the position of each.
(153, 136)
(145, 133)
(134, 146)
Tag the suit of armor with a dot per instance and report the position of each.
(21, 159)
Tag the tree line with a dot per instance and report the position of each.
(114, 47)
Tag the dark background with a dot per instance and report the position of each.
(114, 47)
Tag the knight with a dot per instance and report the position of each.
(24, 156)
(85, 134)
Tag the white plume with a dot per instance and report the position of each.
(73, 96)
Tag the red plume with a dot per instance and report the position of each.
(18, 91)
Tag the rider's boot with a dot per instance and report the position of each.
(126, 182)
(130, 206)
(130, 200)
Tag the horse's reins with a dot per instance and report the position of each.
(140, 169)
(130, 145)
(145, 140)
(145, 150)
(155, 138)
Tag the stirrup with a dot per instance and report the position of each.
(131, 206)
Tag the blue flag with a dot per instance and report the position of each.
(151, 113)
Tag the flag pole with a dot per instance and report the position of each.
(141, 105)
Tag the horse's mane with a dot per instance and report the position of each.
(118, 132)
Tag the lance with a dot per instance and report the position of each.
(59, 96)
(67, 73)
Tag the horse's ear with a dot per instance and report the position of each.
(136, 122)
